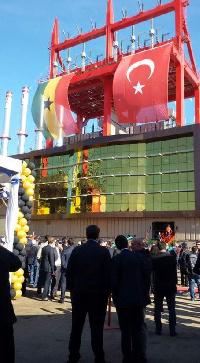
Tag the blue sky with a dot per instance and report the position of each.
(25, 29)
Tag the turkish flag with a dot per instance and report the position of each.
(140, 86)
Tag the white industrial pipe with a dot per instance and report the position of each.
(22, 132)
(60, 136)
(5, 136)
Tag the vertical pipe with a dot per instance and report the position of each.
(39, 131)
(83, 57)
(152, 33)
(5, 136)
(60, 136)
(22, 132)
(68, 61)
(133, 40)
(115, 46)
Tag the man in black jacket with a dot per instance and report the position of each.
(165, 280)
(191, 261)
(88, 279)
(8, 263)
(66, 253)
(130, 285)
(47, 266)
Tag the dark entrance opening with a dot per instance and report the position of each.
(160, 227)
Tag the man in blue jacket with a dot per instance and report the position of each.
(130, 290)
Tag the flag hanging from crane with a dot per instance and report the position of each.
(140, 86)
(51, 110)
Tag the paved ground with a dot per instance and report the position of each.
(43, 328)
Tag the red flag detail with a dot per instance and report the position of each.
(140, 87)
(62, 106)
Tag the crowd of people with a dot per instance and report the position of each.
(91, 270)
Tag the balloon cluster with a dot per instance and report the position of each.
(25, 203)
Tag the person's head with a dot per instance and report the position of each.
(184, 246)
(121, 242)
(194, 249)
(198, 245)
(109, 243)
(161, 246)
(70, 241)
(92, 232)
(51, 241)
(137, 244)
(154, 250)
(83, 241)
(46, 238)
(65, 241)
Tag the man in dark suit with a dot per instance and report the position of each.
(130, 285)
(88, 279)
(47, 266)
(8, 263)
(165, 280)
(66, 253)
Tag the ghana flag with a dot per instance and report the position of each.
(51, 110)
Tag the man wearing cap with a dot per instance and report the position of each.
(8, 263)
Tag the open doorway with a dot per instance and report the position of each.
(160, 227)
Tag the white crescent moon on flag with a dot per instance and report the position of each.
(144, 62)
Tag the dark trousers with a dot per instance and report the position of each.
(7, 344)
(40, 281)
(170, 298)
(47, 281)
(55, 281)
(93, 304)
(63, 284)
(131, 321)
(184, 278)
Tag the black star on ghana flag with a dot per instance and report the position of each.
(47, 104)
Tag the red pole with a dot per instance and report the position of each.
(197, 105)
(180, 67)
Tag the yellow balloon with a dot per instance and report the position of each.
(31, 179)
(24, 164)
(26, 184)
(22, 222)
(32, 186)
(30, 198)
(18, 293)
(30, 192)
(17, 227)
(17, 286)
(21, 279)
(23, 177)
(20, 215)
(14, 278)
(23, 240)
(25, 228)
(21, 234)
(27, 171)
(19, 272)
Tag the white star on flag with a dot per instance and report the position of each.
(138, 88)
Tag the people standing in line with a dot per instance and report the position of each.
(57, 276)
(182, 264)
(130, 284)
(88, 279)
(66, 253)
(191, 261)
(8, 263)
(47, 267)
(165, 280)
